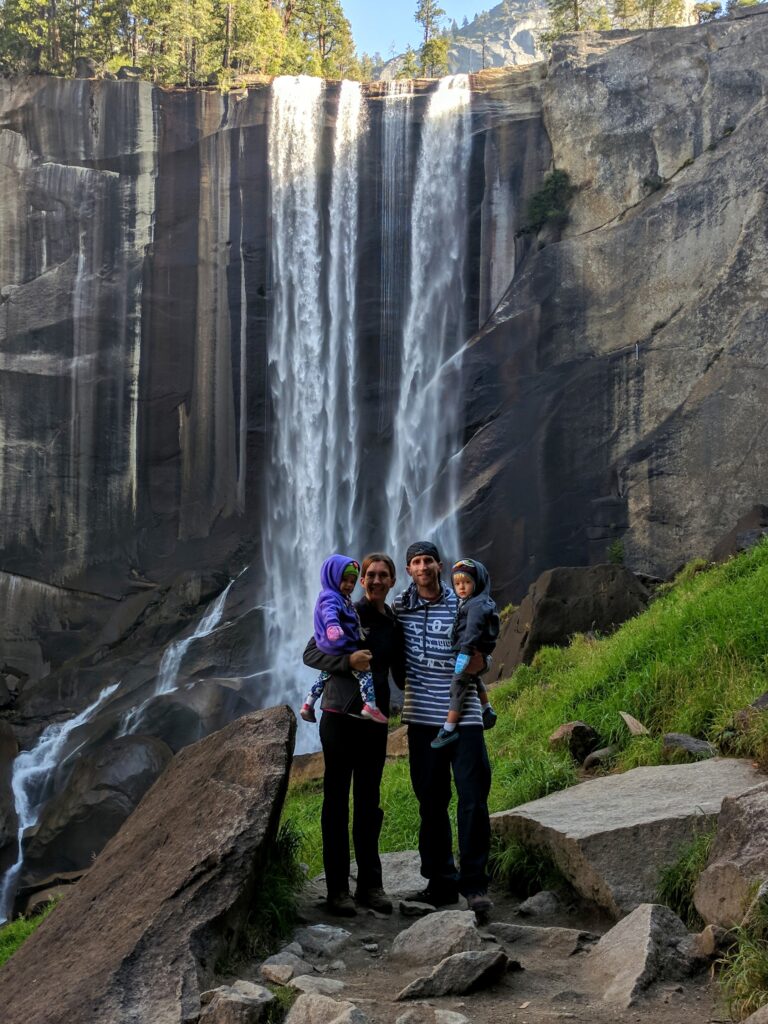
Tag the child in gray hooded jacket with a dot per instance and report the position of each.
(475, 630)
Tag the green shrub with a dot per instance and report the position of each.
(550, 204)
(13, 934)
(616, 552)
(285, 997)
(678, 881)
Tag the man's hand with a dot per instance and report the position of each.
(476, 664)
(360, 661)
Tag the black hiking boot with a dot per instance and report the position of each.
(374, 899)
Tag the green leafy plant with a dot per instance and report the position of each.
(678, 881)
(277, 1010)
(550, 204)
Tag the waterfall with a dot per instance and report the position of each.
(170, 663)
(311, 356)
(421, 482)
(31, 770)
(395, 197)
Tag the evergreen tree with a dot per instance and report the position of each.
(434, 57)
(428, 14)
(328, 36)
(409, 67)
(464, 21)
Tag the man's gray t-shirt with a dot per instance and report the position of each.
(429, 660)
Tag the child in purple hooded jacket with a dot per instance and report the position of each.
(338, 631)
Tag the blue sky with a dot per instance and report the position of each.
(376, 24)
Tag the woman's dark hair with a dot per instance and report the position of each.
(377, 556)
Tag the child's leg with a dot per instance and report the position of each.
(482, 693)
(459, 686)
(317, 690)
(367, 692)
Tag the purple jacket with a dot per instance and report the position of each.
(333, 609)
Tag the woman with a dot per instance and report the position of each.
(354, 747)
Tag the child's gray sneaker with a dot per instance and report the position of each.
(443, 738)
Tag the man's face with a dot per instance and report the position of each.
(424, 571)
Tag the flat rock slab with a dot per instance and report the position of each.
(610, 837)
(313, 984)
(144, 916)
(322, 940)
(651, 944)
(532, 938)
(738, 859)
(437, 936)
(460, 973)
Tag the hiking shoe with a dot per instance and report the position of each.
(489, 717)
(437, 894)
(375, 899)
(308, 713)
(341, 904)
(443, 738)
(372, 712)
(481, 904)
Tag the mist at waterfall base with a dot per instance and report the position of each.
(318, 467)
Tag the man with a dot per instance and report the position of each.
(426, 612)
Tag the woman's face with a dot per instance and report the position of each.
(377, 581)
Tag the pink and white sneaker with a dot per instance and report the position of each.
(308, 713)
(372, 712)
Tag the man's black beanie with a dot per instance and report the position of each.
(421, 547)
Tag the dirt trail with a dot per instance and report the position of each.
(553, 985)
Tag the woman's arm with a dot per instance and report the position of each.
(359, 661)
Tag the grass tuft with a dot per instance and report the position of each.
(678, 881)
(13, 934)
(525, 870)
(744, 968)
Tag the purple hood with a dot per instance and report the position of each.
(333, 571)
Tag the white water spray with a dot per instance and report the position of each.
(312, 363)
(170, 663)
(31, 769)
(421, 486)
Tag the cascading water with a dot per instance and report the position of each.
(170, 663)
(311, 354)
(31, 770)
(421, 482)
(395, 252)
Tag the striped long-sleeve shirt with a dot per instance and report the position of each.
(429, 660)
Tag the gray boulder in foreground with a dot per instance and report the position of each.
(317, 1009)
(241, 1003)
(437, 936)
(138, 937)
(460, 973)
(738, 858)
(611, 836)
(650, 945)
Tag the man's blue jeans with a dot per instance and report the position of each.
(431, 781)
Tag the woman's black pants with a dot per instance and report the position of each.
(354, 750)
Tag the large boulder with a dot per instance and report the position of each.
(138, 937)
(738, 859)
(104, 788)
(651, 944)
(610, 837)
(437, 936)
(566, 601)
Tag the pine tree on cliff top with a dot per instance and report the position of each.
(429, 15)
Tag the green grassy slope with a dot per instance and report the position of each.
(697, 655)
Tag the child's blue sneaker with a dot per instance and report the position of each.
(443, 738)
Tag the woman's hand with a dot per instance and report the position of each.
(360, 661)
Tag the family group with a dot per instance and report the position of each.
(434, 643)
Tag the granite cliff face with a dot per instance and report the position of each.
(614, 381)
(618, 391)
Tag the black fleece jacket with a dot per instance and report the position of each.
(383, 637)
